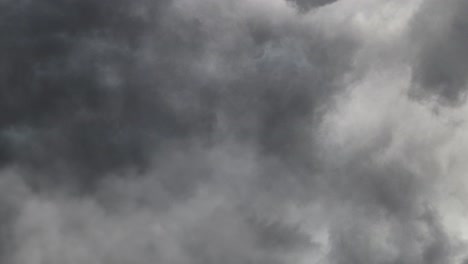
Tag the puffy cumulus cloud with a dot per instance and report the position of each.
(251, 131)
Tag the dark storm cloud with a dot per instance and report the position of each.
(441, 31)
(63, 68)
(94, 89)
(81, 94)
(305, 5)
(189, 132)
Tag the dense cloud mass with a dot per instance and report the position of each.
(233, 131)
(442, 61)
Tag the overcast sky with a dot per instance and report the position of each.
(233, 131)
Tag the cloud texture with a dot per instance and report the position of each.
(222, 131)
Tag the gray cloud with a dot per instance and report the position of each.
(219, 131)
(442, 33)
(305, 5)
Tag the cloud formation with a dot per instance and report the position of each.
(442, 33)
(249, 131)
